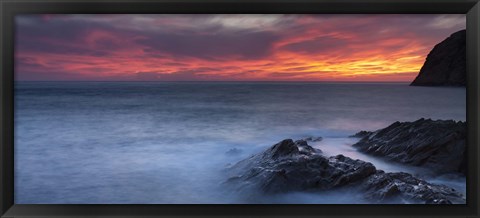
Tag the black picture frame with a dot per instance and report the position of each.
(10, 8)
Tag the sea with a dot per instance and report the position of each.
(170, 142)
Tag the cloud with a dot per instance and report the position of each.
(211, 46)
(253, 22)
(449, 22)
(227, 47)
(60, 35)
(190, 22)
(184, 75)
(318, 45)
(148, 76)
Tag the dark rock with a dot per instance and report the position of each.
(284, 148)
(306, 149)
(313, 139)
(436, 145)
(361, 134)
(385, 186)
(285, 168)
(446, 64)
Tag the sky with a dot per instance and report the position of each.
(227, 47)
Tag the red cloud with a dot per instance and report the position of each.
(198, 47)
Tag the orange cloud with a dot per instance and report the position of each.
(227, 47)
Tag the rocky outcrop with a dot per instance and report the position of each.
(445, 64)
(437, 145)
(295, 166)
(404, 187)
(313, 139)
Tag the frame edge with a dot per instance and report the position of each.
(6, 113)
(473, 103)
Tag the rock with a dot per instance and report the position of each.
(233, 151)
(295, 166)
(313, 139)
(384, 186)
(446, 64)
(284, 167)
(361, 134)
(436, 145)
(306, 149)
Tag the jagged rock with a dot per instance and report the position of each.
(436, 145)
(290, 166)
(295, 166)
(361, 134)
(387, 186)
(313, 139)
(446, 64)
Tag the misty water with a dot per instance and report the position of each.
(169, 142)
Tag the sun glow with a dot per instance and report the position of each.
(227, 47)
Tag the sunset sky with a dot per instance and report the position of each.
(227, 47)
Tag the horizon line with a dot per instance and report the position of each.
(278, 81)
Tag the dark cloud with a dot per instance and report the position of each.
(50, 75)
(41, 46)
(63, 36)
(246, 45)
(96, 46)
(35, 27)
(317, 45)
(369, 31)
(27, 62)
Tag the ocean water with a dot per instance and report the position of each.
(169, 142)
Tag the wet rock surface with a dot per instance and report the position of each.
(405, 187)
(290, 166)
(436, 145)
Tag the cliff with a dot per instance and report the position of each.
(446, 64)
